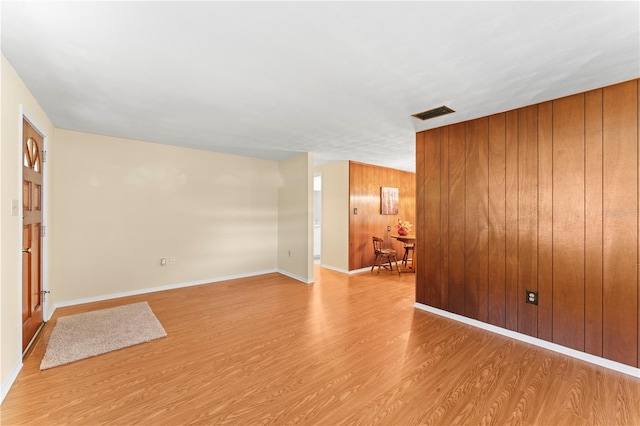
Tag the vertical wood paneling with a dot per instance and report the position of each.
(620, 223)
(444, 216)
(568, 221)
(356, 200)
(497, 282)
(593, 223)
(527, 217)
(457, 218)
(472, 213)
(359, 187)
(365, 181)
(430, 261)
(421, 219)
(545, 221)
(477, 219)
(511, 203)
(547, 199)
(405, 182)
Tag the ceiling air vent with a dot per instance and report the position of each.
(432, 113)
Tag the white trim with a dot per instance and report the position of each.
(333, 268)
(602, 362)
(296, 277)
(344, 271)
(358, 271)
(160, 288)
(13, 375)
(368, 269)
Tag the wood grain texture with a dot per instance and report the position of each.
(431, 245)
(421, 220)
(477, 219)
(527, 218)
(269, 350)
(593, 222)
(511, 204)
(620, 223)
(444, 217)
(568, 221)
(545, 221)
(497, 218)
(563, 177)
(457, 218)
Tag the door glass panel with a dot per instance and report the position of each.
(32, 155)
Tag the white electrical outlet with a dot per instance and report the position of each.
(172, 260)
(163, 261)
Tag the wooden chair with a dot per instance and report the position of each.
(382, 253)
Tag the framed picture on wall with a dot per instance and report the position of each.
(388, 200)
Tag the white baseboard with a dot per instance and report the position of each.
(296, 277)
(345, 271)
(602, 362)
(368, 269)
(155, 289)
(358, 271)
(13, 375)
(333, 268)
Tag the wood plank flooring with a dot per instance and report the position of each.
(270, 350)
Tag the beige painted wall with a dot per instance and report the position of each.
(15, 99)
(122, 205)
(295, 222)
(335, 216)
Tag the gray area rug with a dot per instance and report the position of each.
(80, 336)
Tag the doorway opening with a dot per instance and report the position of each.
(317, 218)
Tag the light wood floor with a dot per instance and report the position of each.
(345, 350)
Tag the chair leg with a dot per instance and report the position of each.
(381, 263)
(394, 258)
(375, 262)
(378, 261)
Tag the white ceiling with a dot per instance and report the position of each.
(339, 79)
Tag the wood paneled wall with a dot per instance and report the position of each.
(542, 198)
(365, 181)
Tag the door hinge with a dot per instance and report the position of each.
(44, 231)
(44, 156)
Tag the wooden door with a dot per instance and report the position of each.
(32, 295)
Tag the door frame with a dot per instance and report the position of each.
(24, 114)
